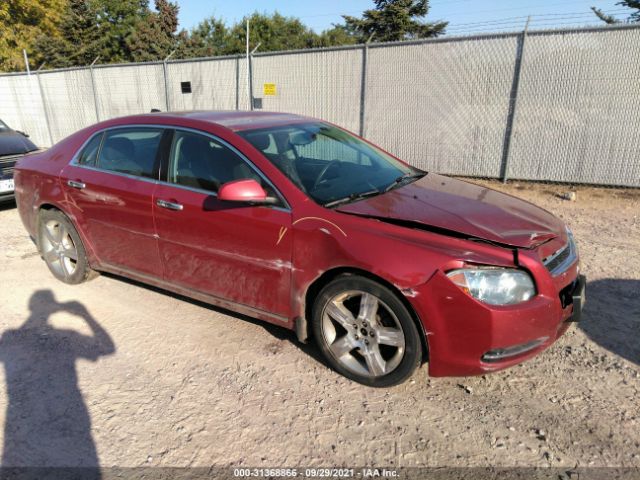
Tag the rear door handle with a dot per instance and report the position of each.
(169, 205)
(76, 184)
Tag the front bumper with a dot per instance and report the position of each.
(7, 197)
(467, 337)
(7, 166)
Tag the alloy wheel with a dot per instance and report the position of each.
(363, 334)
(59, 249)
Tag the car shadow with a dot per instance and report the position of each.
(280, 333)
(47, 422)
(612, 316)
(7, 205)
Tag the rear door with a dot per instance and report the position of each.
(237, 252)
(110, 187)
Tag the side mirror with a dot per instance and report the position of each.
(246, 191)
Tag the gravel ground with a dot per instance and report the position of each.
(133, 376)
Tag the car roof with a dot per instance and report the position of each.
(235, 120)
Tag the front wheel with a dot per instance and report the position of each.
(61, 248)
(365, 332)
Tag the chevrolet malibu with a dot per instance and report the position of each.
(299, 223)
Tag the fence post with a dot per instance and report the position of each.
(166, 81)
(238, 82)
(250, 58)
(363, 86)
(249, 67)
(93, 88)
(513, 103)
(44, 105)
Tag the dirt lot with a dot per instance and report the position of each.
(137, 377)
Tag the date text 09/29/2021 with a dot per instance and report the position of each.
(365, 472)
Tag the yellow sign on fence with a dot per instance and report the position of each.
(269, 89)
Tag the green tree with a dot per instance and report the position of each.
(634, 17)
(273, 32)
(115, 30)
(115, 22)
(335, 36)
(394, 20)
(154, 34)
(79, 39)
(207, 39)
(21, 23)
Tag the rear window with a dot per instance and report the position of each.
(133, 151)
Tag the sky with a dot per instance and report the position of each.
(465, 16)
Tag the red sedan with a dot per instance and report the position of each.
(302, 224)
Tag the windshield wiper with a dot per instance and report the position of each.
(400, 180)
(352, 198)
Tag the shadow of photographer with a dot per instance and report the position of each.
(47, 422)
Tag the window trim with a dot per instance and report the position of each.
(85, 146)
(286, 206)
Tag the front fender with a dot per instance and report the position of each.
(403, 257)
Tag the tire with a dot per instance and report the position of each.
(365, 332)
(62, 249)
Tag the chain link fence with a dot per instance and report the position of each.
(552, 105)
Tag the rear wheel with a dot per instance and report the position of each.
(365, 332)
(61, 248)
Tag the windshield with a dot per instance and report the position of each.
(327, 163)
(3, 126)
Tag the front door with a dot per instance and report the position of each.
(237, 252)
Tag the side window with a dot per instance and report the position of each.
(199, 161)
(90, 153)
(131, 150)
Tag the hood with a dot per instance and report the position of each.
(448, 205)
(12, 143)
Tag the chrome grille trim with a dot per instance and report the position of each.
(7, 167)
(559, 261)
(11, 158)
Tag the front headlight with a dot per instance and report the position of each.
(494, 285)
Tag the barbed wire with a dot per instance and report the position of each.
(557, 16)
(531, 7)
(510, 23)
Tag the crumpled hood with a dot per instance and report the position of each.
(448, 204)
(12, 143)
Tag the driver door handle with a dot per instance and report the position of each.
(76, 184)
(169, 205)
